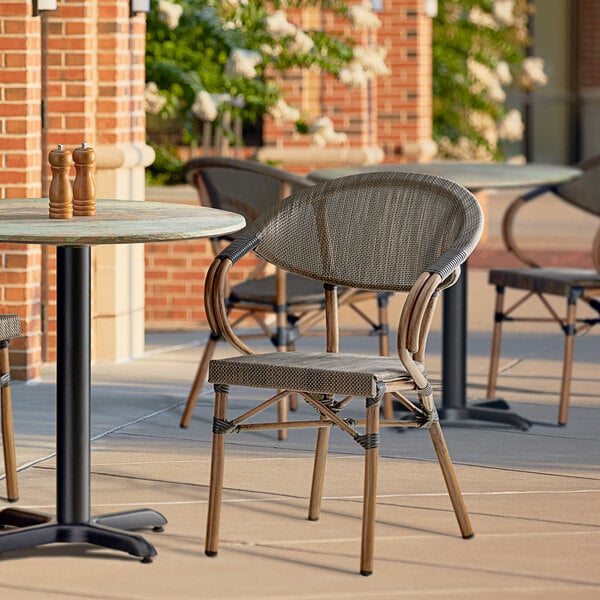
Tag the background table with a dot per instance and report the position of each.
(475, 177)
(116, 222)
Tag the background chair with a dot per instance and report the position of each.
(10, 327)
(295, 302)
(576, 285)
(378, 231)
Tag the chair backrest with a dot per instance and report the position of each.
(242, 186)
(584, 192)
(377, 231)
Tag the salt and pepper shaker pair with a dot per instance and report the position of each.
(79, 200)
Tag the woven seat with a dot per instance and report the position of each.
(578, 286)
(283, 305)
(10, 327)
(378, 231)
(328, 372)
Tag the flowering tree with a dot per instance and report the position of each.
(205, 58)
(479, 50)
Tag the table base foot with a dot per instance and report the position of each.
(132, 519)
(28, 529)
(490, 412)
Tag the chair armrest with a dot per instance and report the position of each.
(508, 221)
(596, 251)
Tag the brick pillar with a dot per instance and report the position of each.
(404, 108)
(94, 69)
(20, 168)
(588, 65)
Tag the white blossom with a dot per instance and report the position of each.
(479, 17)
(169, 13)
(533, 72)
(511, 127)
(503, 73)
(485, 125)
(278, 26)
(372, 59)
(465, 149)
(242, 63)
(353, 75)
(487, 80)
(282, 112)
(205, 106)
(153, 101)
(302, 43)
(323, 132)
(362, 17)
(504, 12)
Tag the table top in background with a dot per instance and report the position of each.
(472, 175)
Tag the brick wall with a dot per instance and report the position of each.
(589, 44)
(20, 168)
(92, 54)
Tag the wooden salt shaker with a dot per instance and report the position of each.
(84, 186)
(60, 193)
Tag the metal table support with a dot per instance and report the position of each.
(454, 408)
(73, 522)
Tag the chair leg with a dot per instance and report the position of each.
(496, 338)
(370, 491)
(8, 434)
(460, 510)
(567, 371)
(213, 519)
(316, 491)
(201, 376)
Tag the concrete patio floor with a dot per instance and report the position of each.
(533, 496)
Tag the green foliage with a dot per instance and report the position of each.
(190, 55)
(466, 31)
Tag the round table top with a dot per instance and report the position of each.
(472, 175)
(115, 222)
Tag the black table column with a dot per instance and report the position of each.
(73, 382)
(454, 409)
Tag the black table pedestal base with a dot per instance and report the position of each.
(36, 529)
(490, 412)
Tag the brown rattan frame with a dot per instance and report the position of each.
(413, 233)
(576, 285)
(9, 328)
(260, 187)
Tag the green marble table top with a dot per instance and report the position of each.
(474, 176)
(115, 222)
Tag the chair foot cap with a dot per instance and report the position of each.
(366, 573)
(469, 536)
(313, 518)
(210, 552)
(13, 499)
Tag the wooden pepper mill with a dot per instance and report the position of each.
(60, 193)
(84, 186)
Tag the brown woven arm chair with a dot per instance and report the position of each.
(577, 286)
(10, 327)
(378, 231)
(284, 306)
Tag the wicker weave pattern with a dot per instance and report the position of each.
(329, 373)
(583, 191)
(242, 186)
(359, 231)
(10, 327)
(551, 281)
